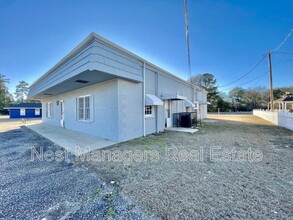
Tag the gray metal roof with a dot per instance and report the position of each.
(25, 105)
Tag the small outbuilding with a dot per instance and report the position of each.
(25, 110)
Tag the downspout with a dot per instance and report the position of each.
(143, 99)
(157, 110)
(193, 99)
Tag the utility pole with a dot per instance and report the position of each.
(271, 81)
(187, 38)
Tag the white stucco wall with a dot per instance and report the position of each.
(283, 119)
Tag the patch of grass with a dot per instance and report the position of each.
(130, 206)
(146, 148)
(109, 214)
(110, 195)
(96, 194)
(147, 143)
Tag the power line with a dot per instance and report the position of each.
(273, 51)
(256, 65)
(247, 81)
(283, 42)
(283, 53)
(258, 77)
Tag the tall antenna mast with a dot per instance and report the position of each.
(187, 38)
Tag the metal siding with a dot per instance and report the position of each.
(96, 56)
(14, 113)
(74, 66)
(29, 113)
(150, 82)
(166, 84)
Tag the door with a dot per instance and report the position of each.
(62, 113)
(168, 114)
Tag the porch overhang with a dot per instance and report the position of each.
(174, 97)
(81, 80)
(202, 103)
(152, 100)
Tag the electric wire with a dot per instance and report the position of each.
(254, 67)
(283, 42)
(259, 62)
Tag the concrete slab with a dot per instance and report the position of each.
(73, 141)
(186, 130)
(208, 120)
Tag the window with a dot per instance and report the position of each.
(148, 110)
(84, 110)
(49, 109)
(37, 111)
(22, 112)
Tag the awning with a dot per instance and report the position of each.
(152, 100)
(165, 96)
(197, 103)
(204, 103)
(189, 103)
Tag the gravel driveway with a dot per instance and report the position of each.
(52, 190)
(259, 186)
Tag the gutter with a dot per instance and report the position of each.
(143, 99)
(157, 111)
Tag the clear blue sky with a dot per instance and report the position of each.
(227, 37)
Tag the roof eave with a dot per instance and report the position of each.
(94, 36)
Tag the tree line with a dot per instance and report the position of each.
(238, 99)
(6, 98)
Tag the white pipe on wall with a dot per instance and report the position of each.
(143, 99)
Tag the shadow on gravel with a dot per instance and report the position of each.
(37, 189)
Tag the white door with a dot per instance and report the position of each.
(62, 113)
(168, 122)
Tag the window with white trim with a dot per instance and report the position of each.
(37, 111)
(84, 109)
(148, 110)
(22, 112)
(49, 109)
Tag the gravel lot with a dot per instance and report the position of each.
(182, 184)
(52, 190)
(235, 188)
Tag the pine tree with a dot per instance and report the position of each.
(5, 96)
(21, 91)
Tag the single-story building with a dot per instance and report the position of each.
(102, 89)
(25, 110)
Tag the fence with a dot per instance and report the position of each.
(280, 118)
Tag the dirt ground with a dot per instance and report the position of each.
(229, 169)
(7, 124)
(202, 187)
(240, 118)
